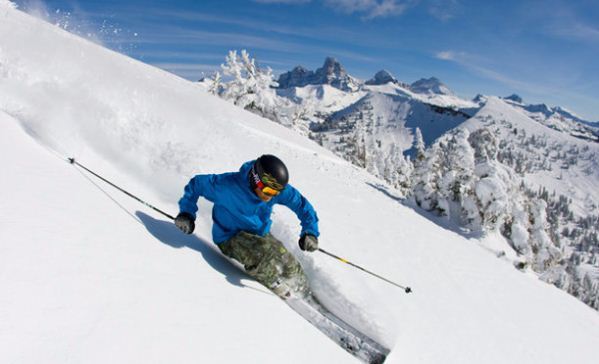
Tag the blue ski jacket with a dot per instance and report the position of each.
(238, 208)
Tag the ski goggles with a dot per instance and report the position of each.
(266, 184)
(268, 191)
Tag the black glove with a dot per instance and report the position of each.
(184, 221)
(308, 242)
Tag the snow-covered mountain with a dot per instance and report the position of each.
(374, 125)
(90, 275)
(386, 106)
(558, 118)
(321, 100)
(378, 130)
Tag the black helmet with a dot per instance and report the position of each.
(270, 171)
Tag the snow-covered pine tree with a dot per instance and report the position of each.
(215, 85)
(253, 88)
(426, 178)
(301, 115)
(546, 254)
(250, 87)
(397, 169)
(493, 181)
(419, 145)
(457, 184)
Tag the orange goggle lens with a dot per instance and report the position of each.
(270, 191)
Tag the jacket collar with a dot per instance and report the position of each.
(243, 179)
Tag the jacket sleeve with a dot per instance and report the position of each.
(200, 185)
(291, 198)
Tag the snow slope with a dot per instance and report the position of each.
(578, 181)
(88, 275)
(387, 123)
(439, 99)
(322, 98)
(558, 118)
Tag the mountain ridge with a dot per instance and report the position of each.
(334, 74)
(331, 73)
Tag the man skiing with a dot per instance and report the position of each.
(243, 203)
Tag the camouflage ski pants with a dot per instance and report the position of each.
(266, 259)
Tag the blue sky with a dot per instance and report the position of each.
(545, 51)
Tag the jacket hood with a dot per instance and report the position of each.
(245, 168)
(244, 179)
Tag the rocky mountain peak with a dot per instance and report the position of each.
(480, 99)
(514, 97)
(331, 63)
(430, 86)
(382, 77)
(331, 73)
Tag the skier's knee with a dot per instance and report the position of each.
(291, 266)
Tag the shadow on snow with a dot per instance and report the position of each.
(167, 233)
(440, 221)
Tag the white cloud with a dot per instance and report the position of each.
(443, 10)
(474, 64)
(564, 19)
(446, 55)
(371, 8)
(579, 31)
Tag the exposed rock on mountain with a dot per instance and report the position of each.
(514, 97)
(430, 86)
(331, 73)
(382, 77)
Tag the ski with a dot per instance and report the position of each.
(343, 334)
(347, 337)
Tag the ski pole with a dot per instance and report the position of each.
(74, 162)
(406, 289)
